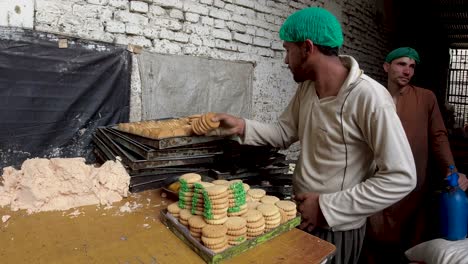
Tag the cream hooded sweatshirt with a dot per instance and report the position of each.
(354, 151)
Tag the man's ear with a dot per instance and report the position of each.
(386, 65)
(308, 46)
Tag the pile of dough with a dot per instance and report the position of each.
(61, 184)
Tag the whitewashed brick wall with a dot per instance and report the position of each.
(235, 30)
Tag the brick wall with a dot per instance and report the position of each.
(236, 30)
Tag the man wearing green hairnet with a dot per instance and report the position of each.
(348, 131)
(403, 225)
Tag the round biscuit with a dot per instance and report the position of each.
(286, 205)
(240, 207)
(183, 222)
(271, 226)
(217, 216)
(274, 217)
(195, 128)
(195, 234)
(237, 241)
(205, 184)
(199, 127)
(235, 180)
(241, 212)
(291, 217)
(216, 190)
(253, 216)
(176, 216)
(219, 211)
(256, 230)
(213, 241)
(254, 234)
(253, 204)
(246, 186)
(220, 182)
(291, 213)
(194, 116)
(233, 237)
(209, 121)
(216, 221)
(273, 222)
(256, 193)
(219, 250)
(195, 230)
(191, 177)
(202, 126)
(256, 224)
(174, 208)
(222, 200)
(205, 125)
(219, 246)
(218, 206)
(185, 214)
(237, 232)
(197, 212)
(268, 209)
(269, 199)
(235, 223)
(284, 217)
(214, 231)
(196, 221)
(188, 194)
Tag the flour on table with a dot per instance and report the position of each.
(129, 207)
(5, 218)
(74, 214)
(61, 184)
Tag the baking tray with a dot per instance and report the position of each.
(166, 142)
(228, 175)
(209, 256)
(148, 152)
(134, 163)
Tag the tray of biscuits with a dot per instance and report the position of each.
(199, 124)
(221, 219)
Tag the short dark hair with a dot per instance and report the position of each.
(328, 50)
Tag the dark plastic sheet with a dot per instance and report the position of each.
(52, 99)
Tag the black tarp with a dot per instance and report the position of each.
(52, 99)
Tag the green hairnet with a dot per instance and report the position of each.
(314, 23)
(402, 52)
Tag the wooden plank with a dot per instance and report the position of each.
(209, 256)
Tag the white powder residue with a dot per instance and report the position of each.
(129, 207)
(61, 184)
(5, 218)
(74, 214)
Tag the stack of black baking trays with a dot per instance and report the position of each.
(151, 163)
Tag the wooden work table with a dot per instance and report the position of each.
(94, 234)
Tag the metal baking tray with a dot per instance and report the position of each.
(149, 153)
(166, 142)
(209, 256)
(229, 175)
(136, 163)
